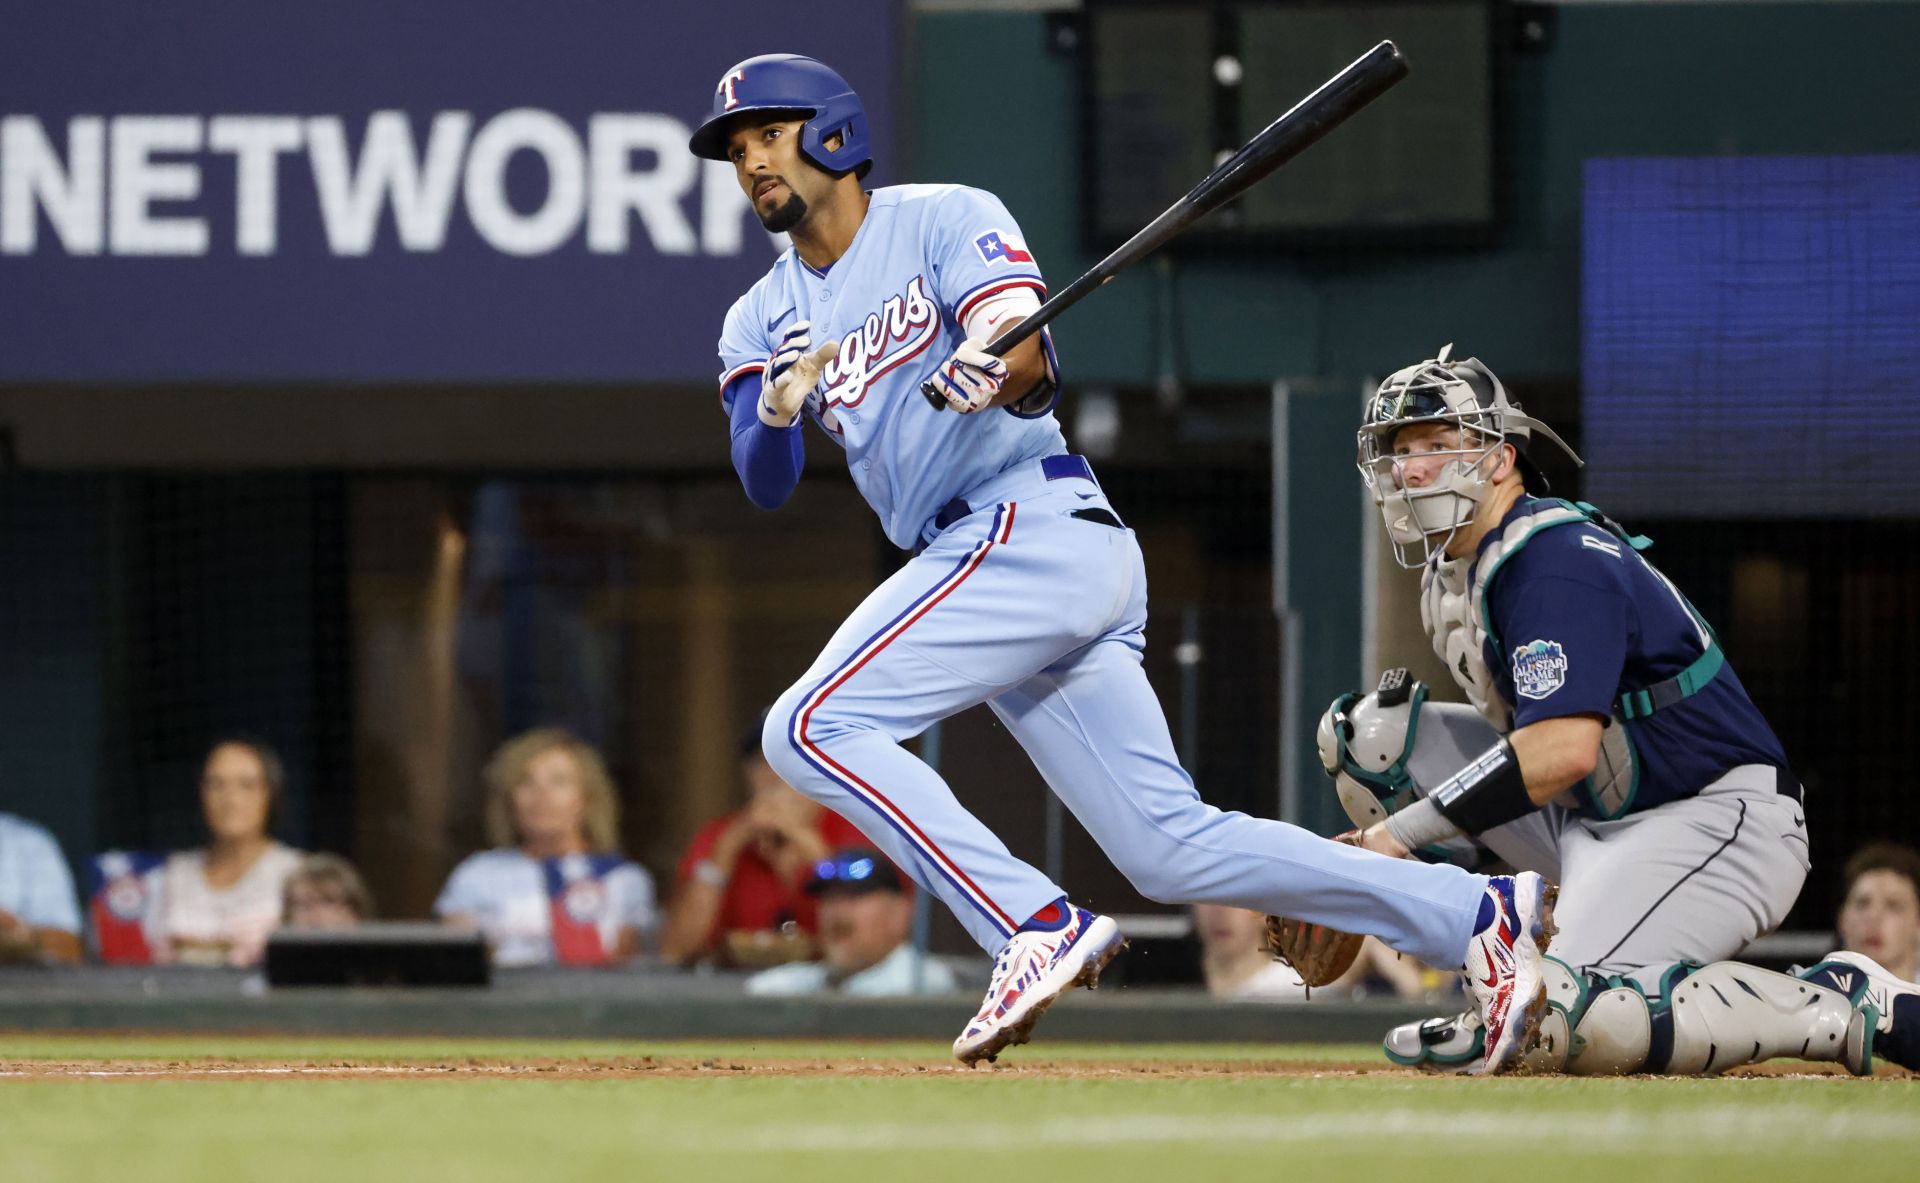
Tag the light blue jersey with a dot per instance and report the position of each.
(1026, 592)
(925, 256)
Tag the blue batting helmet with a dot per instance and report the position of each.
(789, 82)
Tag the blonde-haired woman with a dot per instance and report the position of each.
(555, 889)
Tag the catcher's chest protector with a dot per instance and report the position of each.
(1453, 608)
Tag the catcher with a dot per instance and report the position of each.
(1609, 745)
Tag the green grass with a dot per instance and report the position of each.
(937, 1125)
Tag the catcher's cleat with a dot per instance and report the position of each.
(1891, 1007)
(1032, 971)
(1503, 969)
(1449, 1044)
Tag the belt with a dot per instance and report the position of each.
(1787, 784)
(1053, 468)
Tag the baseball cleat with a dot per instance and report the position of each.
(1449, 1044)
(1891, 1006)
(1503, 968)
(1032, 971)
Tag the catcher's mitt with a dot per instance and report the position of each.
(1317, 953)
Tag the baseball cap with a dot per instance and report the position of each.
(855, 870)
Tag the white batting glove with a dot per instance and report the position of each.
(971, 378)
(792, 373)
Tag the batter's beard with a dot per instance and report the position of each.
(784, 218)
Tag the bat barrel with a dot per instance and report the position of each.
(1299, 128)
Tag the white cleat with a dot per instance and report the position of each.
(1032, 971)
(1503, 971)
(1891, 1007)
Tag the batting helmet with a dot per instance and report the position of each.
(789, 82)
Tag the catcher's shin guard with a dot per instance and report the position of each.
(1705, 1020)
(1719, 1016)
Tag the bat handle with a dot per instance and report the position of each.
(999, 347)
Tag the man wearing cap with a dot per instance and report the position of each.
(740, 896)
(864, 917)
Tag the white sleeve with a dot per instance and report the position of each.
(990, 317)
(460, 897)
(637, 908)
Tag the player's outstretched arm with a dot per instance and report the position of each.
(764, 414)
(1517, 775)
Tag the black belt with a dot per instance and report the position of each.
(1787, 784)
(1054, 468)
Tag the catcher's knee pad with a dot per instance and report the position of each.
(1615, 1033)
(1714, 1017)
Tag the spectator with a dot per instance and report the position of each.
(219, 903)
(865, 915)
(745, 874)
(1234, 960)
(1881, 913)
(39, 916)
(1236, 964)
(324, 892)
(556, 888)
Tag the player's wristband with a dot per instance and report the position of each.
(1488, 792)
(1420, 825)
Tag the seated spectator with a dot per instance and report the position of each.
(1880, 915)
(1234, 960)
(324, 892)
(218, 904)
(744, 876)
(39, 916)
(1237, 966)
(865, 916)
(556, 889)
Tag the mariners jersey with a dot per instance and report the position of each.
(923, 258)
(1577, 619)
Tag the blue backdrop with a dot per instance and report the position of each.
(1751, 335)
(486, 190)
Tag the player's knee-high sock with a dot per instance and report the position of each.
(1096, 731)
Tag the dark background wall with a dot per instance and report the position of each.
(142, 610)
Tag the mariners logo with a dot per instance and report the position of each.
(1539, 668)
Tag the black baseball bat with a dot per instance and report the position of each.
(1285, 138)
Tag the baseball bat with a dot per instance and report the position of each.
(1285, 138)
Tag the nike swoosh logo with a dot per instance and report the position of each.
(775, 322)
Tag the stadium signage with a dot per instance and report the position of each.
(441, 191)
(135, 184)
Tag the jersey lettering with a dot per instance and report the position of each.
(902, 329)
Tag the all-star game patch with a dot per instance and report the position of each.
(1539, 669)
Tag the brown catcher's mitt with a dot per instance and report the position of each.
(1317, 953)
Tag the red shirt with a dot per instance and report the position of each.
(756, 900)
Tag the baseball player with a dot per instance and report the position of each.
(1609, 745)
(1025, 591)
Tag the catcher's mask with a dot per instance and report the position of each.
(1465, 396)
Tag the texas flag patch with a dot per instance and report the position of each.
(997, 246)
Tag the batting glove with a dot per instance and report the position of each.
(971, 378)
(792, 373)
